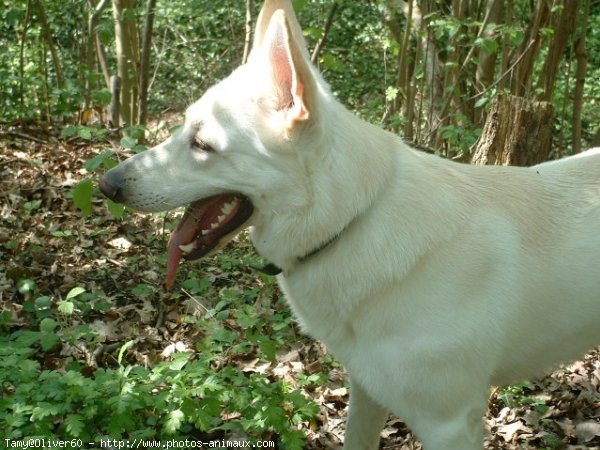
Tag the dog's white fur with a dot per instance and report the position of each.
(446, 278)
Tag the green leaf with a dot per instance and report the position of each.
(116, 209)
(293, 440)
(69, 131)
(333, 63)
(43, 410)
(102, 96)
(142, 290)
(299, 4)
(482, 101)
(48, 341)
(32, 205)
(82, 196)
(11, 245)
(490, 46)
(48, 325)
(179, 360)
(74, 424)
(43, 302)
(26, 286)
(66, 307)
(126, 346)
(75, 292)
(174, 421)
(128, 142)
(269, 348)
(98, 160)
(391, 93)
(85, 133)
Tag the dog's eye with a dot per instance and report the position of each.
(200, 144)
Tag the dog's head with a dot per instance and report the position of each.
(239, 143)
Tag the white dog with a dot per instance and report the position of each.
(430, 280)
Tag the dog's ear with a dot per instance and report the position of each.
(292, 83)
(264, 19)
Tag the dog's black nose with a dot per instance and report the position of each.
(111, 189)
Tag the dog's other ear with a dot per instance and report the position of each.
(264, 19)
(292, 83)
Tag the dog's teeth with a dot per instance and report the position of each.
(214, 226)
(205, 232)
(228, 207)
(187, 248)
(221, 218)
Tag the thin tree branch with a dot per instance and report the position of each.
(315, 55)
(248, 38)
(145, 63)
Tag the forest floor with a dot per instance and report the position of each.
(45, 240)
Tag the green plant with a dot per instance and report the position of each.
(83, 192)
(167, 400)
(516, 395)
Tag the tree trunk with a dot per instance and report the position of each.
(530, 48)
(49, 38)
(126, 46)
(503, 82)
(22, 52)
(101, 54)
(517, 132)
(596, 139)
(434, 74)
(487, 61)
(484, 75)
(145, 64)
(582, 58)
(90, 46)
(115, 104)
(562, 31)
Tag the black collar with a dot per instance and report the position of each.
(272, 269)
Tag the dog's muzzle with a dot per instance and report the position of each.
(111, 187)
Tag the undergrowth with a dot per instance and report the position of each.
(192, 391)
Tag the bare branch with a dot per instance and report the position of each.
(315, 55)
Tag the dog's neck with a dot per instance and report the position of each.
(272, 269)
(319, 197)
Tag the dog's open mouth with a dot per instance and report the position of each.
(203, 225)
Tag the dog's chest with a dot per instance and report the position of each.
(319, 310)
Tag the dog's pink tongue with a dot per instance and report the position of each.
(184, 234)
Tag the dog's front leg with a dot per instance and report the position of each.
(365, 421)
